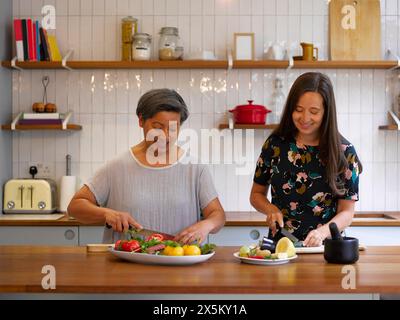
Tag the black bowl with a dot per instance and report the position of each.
(341, 251)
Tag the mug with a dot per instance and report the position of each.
(308, 51)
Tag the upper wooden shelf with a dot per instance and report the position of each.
(206, 64)
(20, 127)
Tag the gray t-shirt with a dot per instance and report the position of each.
(166, 199)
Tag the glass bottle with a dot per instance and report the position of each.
(277, 101)
(169, 45)
(141, 48)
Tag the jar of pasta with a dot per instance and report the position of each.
(169, 46)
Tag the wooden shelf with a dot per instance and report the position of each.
(206, 64)
(393, 126)
(249, 126)
(389, 127)
(18, 127)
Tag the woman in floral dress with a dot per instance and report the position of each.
(312, 169)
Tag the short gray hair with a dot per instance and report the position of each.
(158, 100)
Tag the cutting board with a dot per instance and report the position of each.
(355, 30)
(320, 249)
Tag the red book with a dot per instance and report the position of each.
(30, 39)
(19, 40)
(34, 41)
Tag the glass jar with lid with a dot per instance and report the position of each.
(141, 47)
(170, 47)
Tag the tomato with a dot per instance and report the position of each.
(256, 257)
(131, 246)
(191, 250)
(155, 236)
(118, 244)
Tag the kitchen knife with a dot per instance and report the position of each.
(144, 233)
(291, 237)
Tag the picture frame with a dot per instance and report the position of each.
(243, 46)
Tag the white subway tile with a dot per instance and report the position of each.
(306, 29)
(270, 7)
(379, 138)
(135, 78)
(86, 7)
(122, 91)
(98, 135)
(85, 144)
(392, 186)
(233, 8)
(49, 147)
(195, 94)
(383, 7)
(391, 7)
(342, 91)
(184, 7)
(122, 130)
(379, 91)
(220, 37)
(123, 7)
(257, 7)
(208, 7)
(365, 149)
(74, 35)
(135, 8)
(36, 7)
(74, 7)
(269, 31)
(294, 8)
(99, 7)
(111, 7)
(379, 186)
(61, 8)
(354, 91)
(15, 8)
(61, 147)
(207, 89)
(306, 7)
(98, 53)
(392, 33)
(73, 90)
(195, 33)
(245, 24)
(97, 88)
(36, 145)
(366, 91)
(172, 21)
(258, 29)
(110, 136)
(196, 7)
(85, 171)
(391, 146)
(62, 34)
(245, 7)
(171, 7)
(159, 7)
(110, 102)
(320, 7)
(111, 38)
(25, 8)
(282, 28)
(147, 7)
(282, 7)
(244, 81)
(85, 93)
(208, 33)
(85, 43)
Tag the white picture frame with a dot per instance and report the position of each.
(243, 46)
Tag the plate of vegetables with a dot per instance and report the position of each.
(156, 250)
(284, 253)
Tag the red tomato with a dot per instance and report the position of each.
(118, 244)
(131, 246)
(257, 257)
(156, 236)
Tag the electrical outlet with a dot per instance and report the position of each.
(45, 170)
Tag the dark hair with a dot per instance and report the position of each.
(158, 100)
(330, 142)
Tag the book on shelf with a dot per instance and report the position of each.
(40, 121)
(42, 116)
(19, 39)
(25, 39)
(54, 50)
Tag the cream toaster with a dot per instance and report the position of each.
(30, 196)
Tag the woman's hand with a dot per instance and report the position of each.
(196, 232)
(314, 238)
(274, 215)
(120, 221)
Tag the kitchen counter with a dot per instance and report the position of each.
(237, 218)
(79, 272)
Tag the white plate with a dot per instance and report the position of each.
(146, 258)
(265, 262)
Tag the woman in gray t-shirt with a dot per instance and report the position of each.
(152, 185)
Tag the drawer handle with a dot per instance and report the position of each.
(254, 234)
(69, 234)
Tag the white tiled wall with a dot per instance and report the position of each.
(104, 102)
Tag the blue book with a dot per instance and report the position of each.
(37, 41)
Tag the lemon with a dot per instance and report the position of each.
(191, 250)
(284, 245)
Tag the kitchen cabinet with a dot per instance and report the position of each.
(54, 236)
(238, 236)
(90, 235)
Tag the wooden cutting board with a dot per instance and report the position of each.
(320, 249)
(355, 30)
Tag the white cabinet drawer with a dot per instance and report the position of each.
(90, 235)
(238, 236)
(52, 236)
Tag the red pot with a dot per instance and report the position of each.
(250, 113)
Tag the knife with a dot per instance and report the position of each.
(144, 233)
(287, 234)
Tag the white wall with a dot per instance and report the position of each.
(104, 101)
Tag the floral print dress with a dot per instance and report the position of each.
(298, 185)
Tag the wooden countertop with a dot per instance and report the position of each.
(378, 271)
(237, 218)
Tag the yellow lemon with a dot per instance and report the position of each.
(284, 245)
(191, 250)
(176, 251)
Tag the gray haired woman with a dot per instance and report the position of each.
(148, 186)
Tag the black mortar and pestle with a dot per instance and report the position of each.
(338, 249)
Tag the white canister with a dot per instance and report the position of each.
(141, 46)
